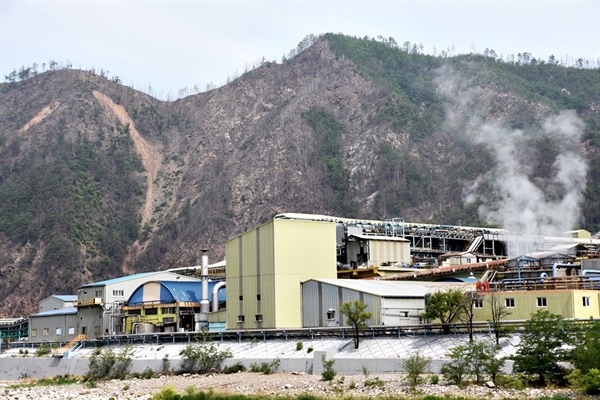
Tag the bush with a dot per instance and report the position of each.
(299, 346)
(456, 370)
(232, 369)
(202, 358)
(43, 350)
(328, 372)
(265, 368)
(147, 374)
(106, 364)
(165, 367)
(414, 367)
(587, 383)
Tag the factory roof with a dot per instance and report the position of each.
(60, 311)
(397, 289)
(386, 238)
(137, 276)
(167, 292)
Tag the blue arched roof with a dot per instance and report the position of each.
(167, 292)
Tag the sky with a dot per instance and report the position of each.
(164, 46)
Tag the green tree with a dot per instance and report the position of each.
(586, 354)
(444, 306)
(499, 312)
(356, 317)
(542, 347)
(466, 311)
(456, 370)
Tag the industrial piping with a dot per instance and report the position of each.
(202, 317)
(215, 295)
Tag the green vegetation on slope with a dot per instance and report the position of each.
(329, 132)
(71, 195)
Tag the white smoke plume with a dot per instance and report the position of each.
(510, 194)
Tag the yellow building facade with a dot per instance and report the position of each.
(570, 304)
(265, 268)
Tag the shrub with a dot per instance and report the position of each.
(414, 366)
(299, 346)
(328, 372)
(232, 369)
(588, 383)
(434, 379)
(309, 350)
(106, 364)
(43, 350)
(166, 365)
(265, 368)
(375, 382)
(148, 373)
(456, 370)
(202, 358)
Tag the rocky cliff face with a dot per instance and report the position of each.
(98, 180)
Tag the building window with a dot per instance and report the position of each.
(168, 310)
(97, 330)
(71, 330)
(586, 301)
(84, 330)
(542, 302)
(151, 311)
(510, 303)
(241, 318)
(331, 314)
(118, 293)
(98, 293)
(58, 331)
(258, 297)
(258, 317)
(478, 303)
(46, 332)
(134, 312)
(241, 297)
(34, 332)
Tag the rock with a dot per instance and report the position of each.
(490, 384)
(288, 386)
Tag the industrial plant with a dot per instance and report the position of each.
(296, 270)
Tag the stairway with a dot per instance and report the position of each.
(58, 353)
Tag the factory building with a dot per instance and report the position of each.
(169, 306)
(100, 304)
(55, 321)
(266, 265)
(391, 303)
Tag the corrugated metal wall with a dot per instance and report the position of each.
(383, 251)
(269, 263)
(319, 297)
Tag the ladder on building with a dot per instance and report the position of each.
(59, 352)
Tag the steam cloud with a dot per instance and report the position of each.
(509, 192)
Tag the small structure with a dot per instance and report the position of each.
(58, 325)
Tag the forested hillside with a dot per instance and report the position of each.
(98, 180)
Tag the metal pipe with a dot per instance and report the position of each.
(215, 295)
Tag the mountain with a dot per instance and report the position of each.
(98, 180)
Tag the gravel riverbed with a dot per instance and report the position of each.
(269, 385)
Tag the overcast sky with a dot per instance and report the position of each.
(172, 45)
